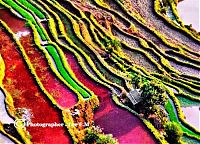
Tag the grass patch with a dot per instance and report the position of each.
(63, 72)
(33, 8)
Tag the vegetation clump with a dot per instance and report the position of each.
(112, 45)
(173, 133)
(154, 99)
(94, 135)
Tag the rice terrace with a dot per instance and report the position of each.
(98, 72)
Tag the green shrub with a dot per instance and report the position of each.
(92, 134)
(112, 45)
(95, 135)
(173, 132)
(106, 139)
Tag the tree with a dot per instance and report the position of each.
(173, 132)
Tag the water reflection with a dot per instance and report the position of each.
(4, 117)
(5, 140)
(192, 115)
(189, 12)
(22, 33)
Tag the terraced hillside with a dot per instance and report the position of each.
(97, 71)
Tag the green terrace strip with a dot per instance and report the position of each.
(23, 13)
(33, 8)
(175, 114)
(48, 57)
(63, 72)
(185, 102)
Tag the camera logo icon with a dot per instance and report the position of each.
(20, 123)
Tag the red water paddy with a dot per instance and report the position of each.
(12, 21)
(124, 126)
(20, 84)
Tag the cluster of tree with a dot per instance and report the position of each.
(152, 108)
(153, 95)
(154, 98)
